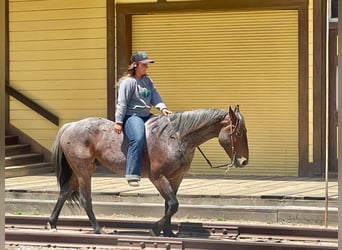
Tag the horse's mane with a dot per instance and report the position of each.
(185, 122)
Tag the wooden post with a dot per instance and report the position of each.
(2, 120)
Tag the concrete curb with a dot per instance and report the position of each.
(262, 200)
(264, 214)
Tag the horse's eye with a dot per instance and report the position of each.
(238, 133)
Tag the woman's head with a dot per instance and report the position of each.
(138, 65)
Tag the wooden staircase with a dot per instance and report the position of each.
(21, 161)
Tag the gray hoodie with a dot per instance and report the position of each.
(136, 97)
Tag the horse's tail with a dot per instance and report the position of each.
(62, 168)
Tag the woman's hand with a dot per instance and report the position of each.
(118, 128)
(166, 111)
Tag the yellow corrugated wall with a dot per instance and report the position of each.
(57, 58)
(217, 59)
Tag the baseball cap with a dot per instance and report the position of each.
(140, 56)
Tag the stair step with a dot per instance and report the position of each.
(28, 169)
(11, 139)
(17, 149)
(23, 159)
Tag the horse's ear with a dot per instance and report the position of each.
(237, 109)
(232, 115)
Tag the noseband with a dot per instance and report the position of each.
(233, 131)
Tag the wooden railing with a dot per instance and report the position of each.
(32, 105)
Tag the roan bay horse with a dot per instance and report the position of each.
(170, 145)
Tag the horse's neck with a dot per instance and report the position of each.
(203, 134)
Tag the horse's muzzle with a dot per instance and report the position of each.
(241, 162)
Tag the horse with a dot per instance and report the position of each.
(171, 141)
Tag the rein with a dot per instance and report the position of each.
(232, 163)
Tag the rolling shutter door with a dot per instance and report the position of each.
(218, 59)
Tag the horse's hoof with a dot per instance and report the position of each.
(169, 233)
(51, 228)
(154, 232)
(100, 230)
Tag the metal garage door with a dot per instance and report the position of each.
(217, 59)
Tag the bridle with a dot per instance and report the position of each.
(233, 131)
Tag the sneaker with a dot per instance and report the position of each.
(133, 183)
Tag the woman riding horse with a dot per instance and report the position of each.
(169, 149)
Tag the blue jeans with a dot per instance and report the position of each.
(134, 129)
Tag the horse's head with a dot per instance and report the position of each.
(233, 138)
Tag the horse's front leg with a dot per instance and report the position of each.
(167, 231)
(171, 207)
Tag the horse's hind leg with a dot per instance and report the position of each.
(64, 194)
(86, 201)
